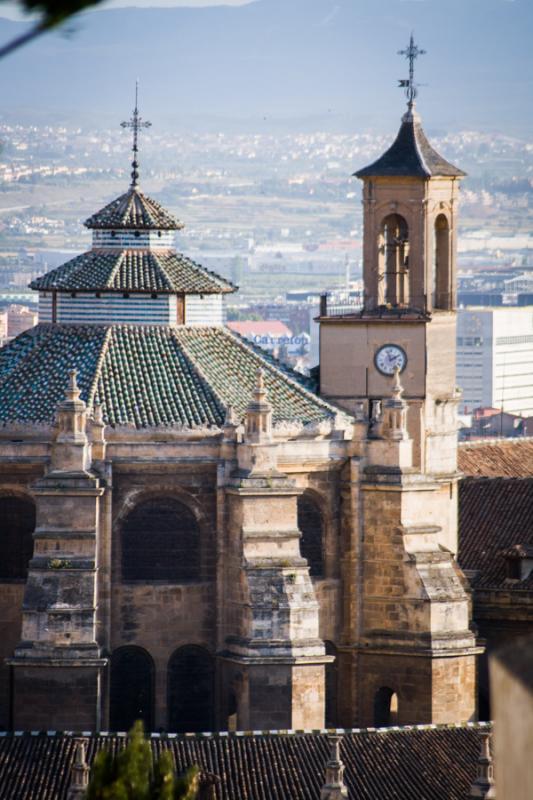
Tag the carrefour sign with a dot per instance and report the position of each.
(277, 341)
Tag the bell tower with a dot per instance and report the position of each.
(408, 652)
(410, 198)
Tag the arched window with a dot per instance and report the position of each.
(17, 523)
(331, 687)
(441, 271)
(132, 688)
(393, 285)
(311, 526)
(160, 542)
(190, 690)
(385, 707)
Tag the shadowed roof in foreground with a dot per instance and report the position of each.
(495, 516)
(424, 762)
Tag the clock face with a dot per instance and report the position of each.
(389, 357)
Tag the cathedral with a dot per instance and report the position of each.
(197, 536)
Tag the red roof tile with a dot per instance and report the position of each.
(500, 458)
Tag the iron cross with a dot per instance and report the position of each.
(136, 123)
(411, 53)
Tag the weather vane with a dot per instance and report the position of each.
(136, 123)
(411, 88)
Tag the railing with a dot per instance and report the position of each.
(337, 304)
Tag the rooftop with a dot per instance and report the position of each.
(133, 271)
(497, 458)
(423, 762)
(148, 376)
(495, 519)
(410, 155)
(134, 211)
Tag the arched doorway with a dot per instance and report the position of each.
(17, 523)
(393, 278)
(160, 542)
(190, 690)
(385, 707)
(131, 689)
(441, 268)
(311, 525)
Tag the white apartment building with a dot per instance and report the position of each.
(495, 359)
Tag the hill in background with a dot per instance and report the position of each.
(292, 64)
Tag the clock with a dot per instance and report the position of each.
(389, 357)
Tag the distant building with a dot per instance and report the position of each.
(19, 319)
(272, 335)
(3, 325)
(494, 422)
(495, 359)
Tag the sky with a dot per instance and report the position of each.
(11, 9)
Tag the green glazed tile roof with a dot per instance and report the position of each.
(133, 271)
(146, 375)
(134, 210)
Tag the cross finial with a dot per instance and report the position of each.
(411, 52)
(136, 123)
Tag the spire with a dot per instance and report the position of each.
(79, 774)
(411, 53)
(334, 788)
(411, 154)
(483, 787)
(136, 123)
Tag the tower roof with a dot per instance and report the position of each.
(134, 211)
(410, 155)
(133, 271)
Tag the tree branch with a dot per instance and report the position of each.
(14, 44)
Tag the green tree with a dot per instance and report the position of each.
(51, 14)
(132, 775)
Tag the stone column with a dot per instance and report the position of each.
(273, 662)
(57, 665)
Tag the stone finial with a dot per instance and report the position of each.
(97, 431)
(231, 420)
(258, 419)
(395, 412)
(98, 413)
(79, 774)
(334, 788)
(73, 391)
(483, 787)
(397, 388)
(69, 452)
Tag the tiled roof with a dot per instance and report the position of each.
(505, 458)
(134, 210)
(147, 375)
(133, 271)
(426, 763)
(410, 155)
(495, 514)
